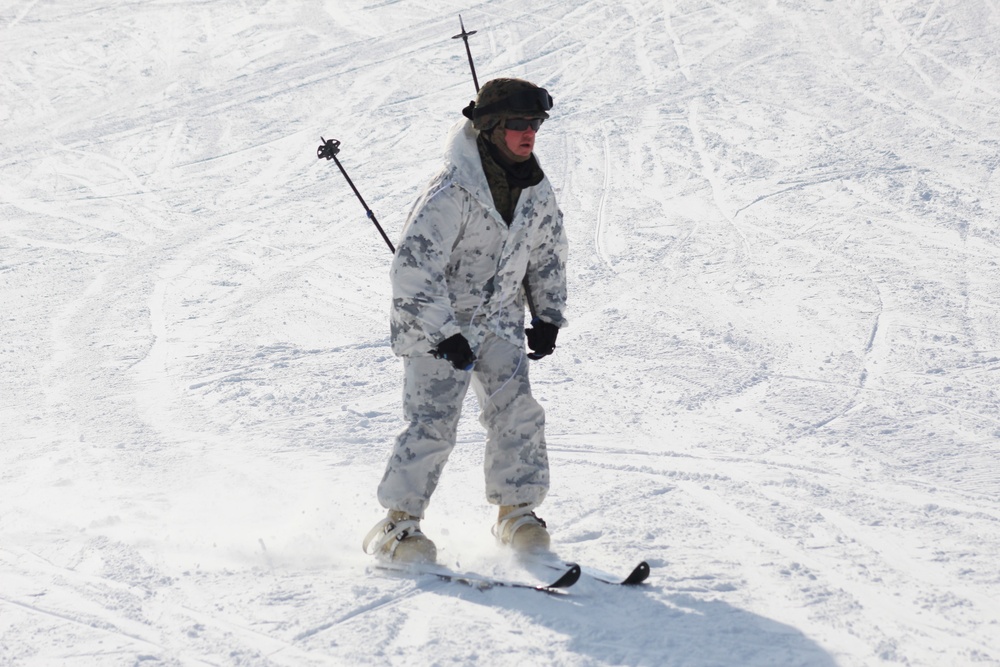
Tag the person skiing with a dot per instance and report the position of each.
(485, 240)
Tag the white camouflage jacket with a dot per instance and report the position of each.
(460, 269)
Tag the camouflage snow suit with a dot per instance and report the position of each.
(460, 268)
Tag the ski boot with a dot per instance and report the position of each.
(518, 527)
(397, 538)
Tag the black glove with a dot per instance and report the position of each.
(541, 338)
(457, 351)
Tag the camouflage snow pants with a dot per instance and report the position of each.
(516, 464)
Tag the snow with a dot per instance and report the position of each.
(779, 384)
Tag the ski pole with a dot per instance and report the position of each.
(329, 149)
(465, 37)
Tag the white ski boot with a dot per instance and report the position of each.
(397, 538)
(520, 528)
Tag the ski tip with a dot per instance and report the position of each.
(570, 577)
(638, 575)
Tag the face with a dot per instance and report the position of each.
(520, 142)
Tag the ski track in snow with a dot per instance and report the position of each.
(778, 385)
(600, 228)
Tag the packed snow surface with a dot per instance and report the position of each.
(779, 384)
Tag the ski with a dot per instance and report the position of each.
(638, 574)
(569, 575)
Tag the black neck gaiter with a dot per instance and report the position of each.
(519, 174)
(506, 178)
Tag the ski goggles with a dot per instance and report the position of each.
(535, 101)
(522, 124)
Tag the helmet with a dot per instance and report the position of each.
(499, 99)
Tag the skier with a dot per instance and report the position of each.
(484, 240)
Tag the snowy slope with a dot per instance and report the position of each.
(779, 384)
